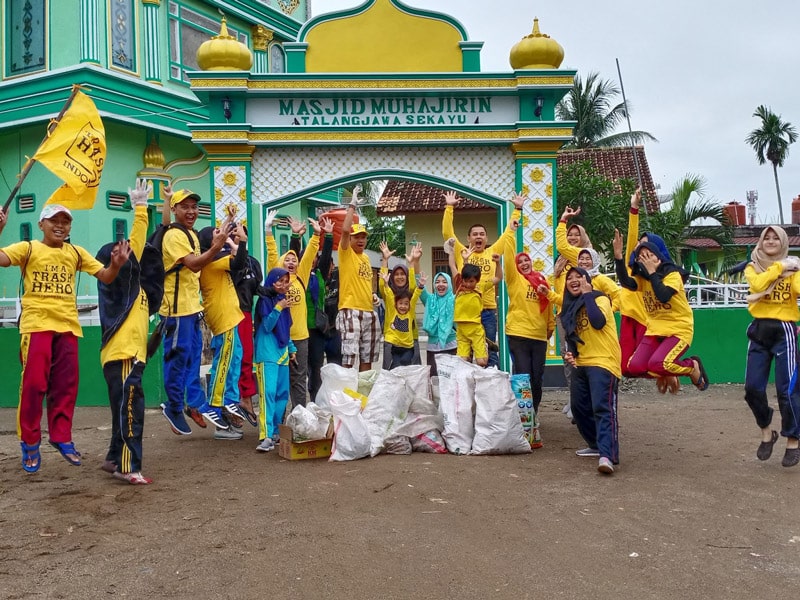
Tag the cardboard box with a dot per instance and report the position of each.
(291, 450)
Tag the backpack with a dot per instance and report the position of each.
(153, 275)
(152, 278)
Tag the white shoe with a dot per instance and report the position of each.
(228, 434)
(605, 466)
(266, 445)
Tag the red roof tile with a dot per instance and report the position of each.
(402, 197)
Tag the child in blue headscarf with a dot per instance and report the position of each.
(438, 321)
(273, 352)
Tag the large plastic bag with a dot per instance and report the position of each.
(308, 422)
(430, 441)
(351, 437)
(387, 408)
(498, 429)
(367, 379)
(456, 401)
(423, 414)
(398, 444)
(334, 378)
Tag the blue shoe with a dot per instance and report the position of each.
(176, 421)
(214, 416)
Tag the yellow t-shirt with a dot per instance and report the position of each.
(48, 302)
(382, 287)
(600, 347)
(469, 304)
(399, 329)
(482, 259)
(220, 302)
(781, 303)
(174, 247)
(524, 317)
(673, 318)
(130, 340)
(355, 280)
(296, 295)
(605, 284)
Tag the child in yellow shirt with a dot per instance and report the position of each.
(470, 289)
(400, 315)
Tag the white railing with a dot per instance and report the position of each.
(707, 293)
(88, 314)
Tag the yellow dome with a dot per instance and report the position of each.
(536, 51)
(224, 52)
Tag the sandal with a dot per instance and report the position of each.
(67, 450)
(31, 453)
(765, 448)
(702, 381)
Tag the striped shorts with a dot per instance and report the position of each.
(361, 335)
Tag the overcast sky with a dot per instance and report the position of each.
(694, 73)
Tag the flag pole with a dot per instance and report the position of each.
(630, 131)
(30, 162)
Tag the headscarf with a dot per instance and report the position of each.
(570, 308)
(205, 236)
(761, 262)
(267, 302)
(535, 279)
(595, 270)
(392, 285)
(665, 268)
(561, 261)
(438, 320)
(658, 242)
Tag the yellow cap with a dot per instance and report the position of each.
(181, 195)
(357, 228)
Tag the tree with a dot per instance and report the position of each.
(389, 229)
(771, 143)
(589, 103)
(677, 223)
(603, 202)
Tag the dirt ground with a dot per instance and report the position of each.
(690, 513)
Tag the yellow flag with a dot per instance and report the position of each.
(75, 151)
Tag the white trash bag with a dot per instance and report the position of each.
(334, 378)
(308, 422)
(498, 429)
(387, 408)
(350, 433)
(456, 401)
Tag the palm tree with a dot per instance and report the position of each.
(771, 143)
(590, 105)
(677, 223)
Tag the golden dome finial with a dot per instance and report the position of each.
(536, 51)
(224, 52)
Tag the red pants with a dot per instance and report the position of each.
(49, 369)
(247, 381)
(631, 334)
(660, 357)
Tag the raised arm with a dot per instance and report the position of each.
(344, 241)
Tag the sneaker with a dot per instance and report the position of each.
(234, 410)
(605, 466)
(176, 421)
(791, 457)
(228, 434)
(195, 416)
(591, 452)
(266, 445)
(133, 478)
(214, 416)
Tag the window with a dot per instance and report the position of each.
(25, 232)
(439, 261)
(277, 59)
(188, 29)
(25, 32)
(123, 35)
(26, 203)
(120, 229)
(283, 244)
(118, 201)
